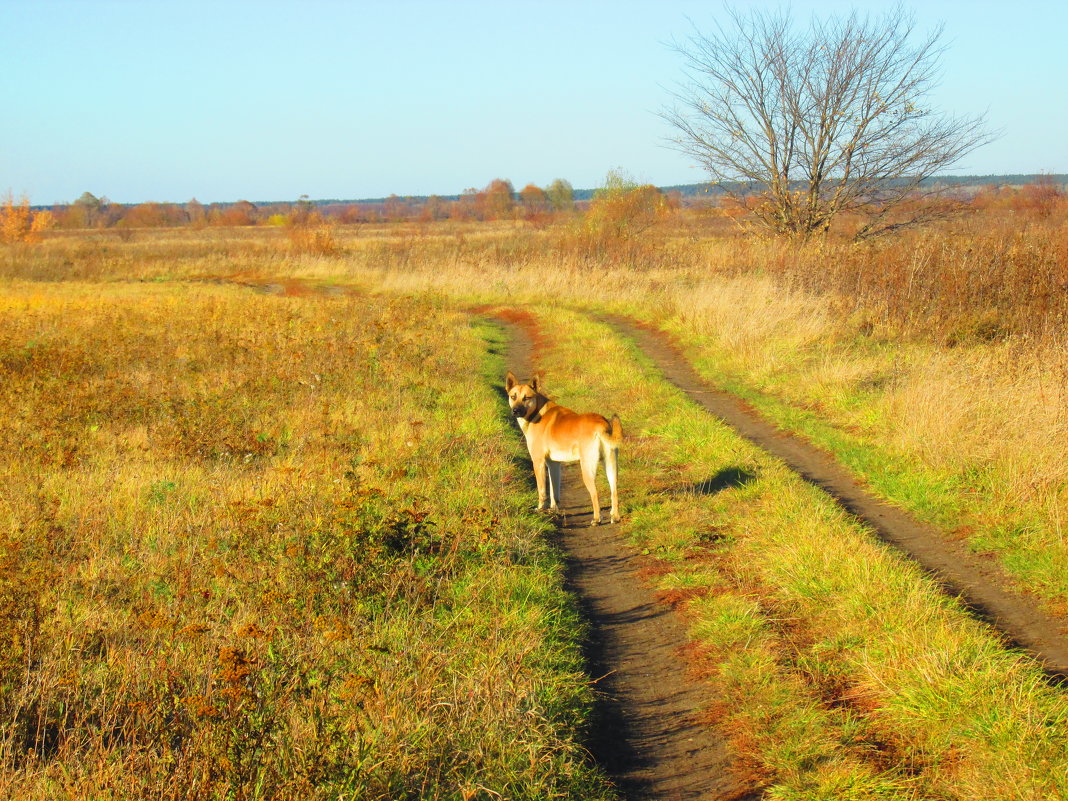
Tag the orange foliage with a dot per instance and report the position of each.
(154, 215)
(619, 212)
(17, 221)
(435, 208)
(534, 203)
(310, 232)
(467, 207)
(240, 213)
(43, 220)
(397, 209)
(498, 200)
(1042, 198)
(351, 213)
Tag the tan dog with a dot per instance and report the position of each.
(555, 435)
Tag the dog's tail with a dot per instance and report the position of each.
(614, 435)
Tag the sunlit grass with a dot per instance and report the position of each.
(269, 547)
(232, 502)
(844, 672)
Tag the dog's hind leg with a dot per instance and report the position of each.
(588, 463)
(610, 455)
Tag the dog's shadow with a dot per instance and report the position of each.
(726, 479)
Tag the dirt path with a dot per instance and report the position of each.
(977, 580)
(648, 733)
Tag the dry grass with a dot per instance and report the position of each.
(183, 473)
(237, 559)
(935, 364)
(950, 397)
(968, 436)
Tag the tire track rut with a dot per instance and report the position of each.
(978, 582)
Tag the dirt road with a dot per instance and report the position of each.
(649, 734)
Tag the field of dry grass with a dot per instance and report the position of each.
(232, 505)
(257, 546)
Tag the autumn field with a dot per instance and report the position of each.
(260, 547)
(267, 530)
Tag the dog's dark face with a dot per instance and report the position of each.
(522, 398)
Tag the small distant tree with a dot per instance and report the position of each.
(195, 213)
(534, 201)
(16, 220)
(466, 207)
(43, 220)
(622, 209)
(499, 200)
(819, 122)
(20, 223)
(351, 213)
(153, 215)
(87, 211)
(309, 231)
(1041, 197)
(433, 209)
(303, 213)
(240, 213)
(561, 195)
(396, 209)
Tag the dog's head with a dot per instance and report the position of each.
(523, 399)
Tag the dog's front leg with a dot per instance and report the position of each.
(554, 484)
(539, 478)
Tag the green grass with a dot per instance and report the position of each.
(966, 497)
(843, 671)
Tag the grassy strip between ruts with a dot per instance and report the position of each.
(844, 673)
(890, 413)
(271, 547)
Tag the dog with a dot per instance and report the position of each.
(555, 435)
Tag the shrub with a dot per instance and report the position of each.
(622, 209)
(309, 232)
(17, 221)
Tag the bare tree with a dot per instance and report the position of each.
(810, 124)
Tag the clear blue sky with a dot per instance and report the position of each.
(170, 99)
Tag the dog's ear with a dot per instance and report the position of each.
(509, 381)
(535, 382)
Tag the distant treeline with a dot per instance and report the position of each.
(706, 188)
(497, 201)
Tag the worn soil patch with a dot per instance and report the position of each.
(980, 583)
(649, 733)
